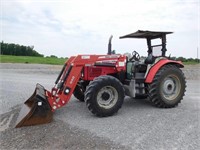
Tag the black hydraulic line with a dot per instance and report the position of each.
(61, 72)
(66, 75)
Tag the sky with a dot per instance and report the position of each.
(71, 27)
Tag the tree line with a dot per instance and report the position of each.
(185, 59)
(18, 50)
(21, 50)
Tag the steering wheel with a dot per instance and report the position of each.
(135, 56)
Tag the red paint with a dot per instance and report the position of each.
(83, 66)
(157, 66)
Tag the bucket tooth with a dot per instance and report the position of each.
(36, 110)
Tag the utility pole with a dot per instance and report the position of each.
(197, 54)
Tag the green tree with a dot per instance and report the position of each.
(182, 59)
(18, 50)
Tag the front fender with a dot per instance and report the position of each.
(154, 69)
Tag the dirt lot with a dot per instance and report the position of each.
(138, 125)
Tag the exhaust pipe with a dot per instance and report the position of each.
(110, 45)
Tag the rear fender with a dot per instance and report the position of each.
(153, 69)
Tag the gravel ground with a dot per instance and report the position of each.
(138, 125)
(192, 72)
(56, 135)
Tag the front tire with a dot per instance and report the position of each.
(80, 89)
(168, 87)
(104, 96)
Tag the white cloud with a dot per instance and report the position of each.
(70, 27)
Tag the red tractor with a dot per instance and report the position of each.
(102, 82)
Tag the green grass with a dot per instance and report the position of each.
(191, 63)
(31, 60)
(47, 60)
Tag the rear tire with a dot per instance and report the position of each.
(104, 96)
(168, 87)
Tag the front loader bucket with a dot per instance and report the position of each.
(36, 110)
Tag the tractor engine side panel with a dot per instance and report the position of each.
(90, 72)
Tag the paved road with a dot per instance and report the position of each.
(138, 125)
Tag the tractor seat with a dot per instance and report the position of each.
(150, 59)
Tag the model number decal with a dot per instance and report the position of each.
(85, 57)
(72, 80)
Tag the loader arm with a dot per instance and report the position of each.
(61, 94)
(70, 75)
(39, 108)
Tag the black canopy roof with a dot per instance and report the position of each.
(146, 34)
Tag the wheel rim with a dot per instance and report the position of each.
(171, 87)
(107, 97)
